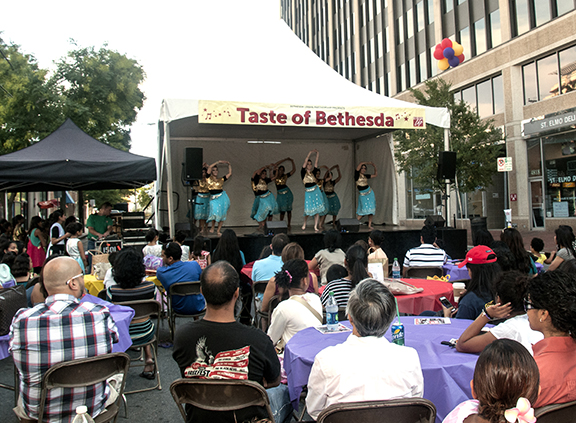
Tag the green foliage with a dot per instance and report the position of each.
(113, 196)
(474, 140)
(143, 197)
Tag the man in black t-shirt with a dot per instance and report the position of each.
(219, 347)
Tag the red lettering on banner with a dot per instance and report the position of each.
(332, 120)
(281, 118)
(242, 110)
(253, 117)
(263, 117)
(369, 121)
(349, 118)
(379, 120)
(307, 117)
(389, 120)
(360, 120)
(320, 117)
(341, 119)
(272, 116)
(297, 119)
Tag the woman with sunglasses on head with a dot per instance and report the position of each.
(551, 309)
(564, 238)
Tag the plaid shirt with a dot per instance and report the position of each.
(61, 329)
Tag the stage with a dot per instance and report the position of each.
(397, 240)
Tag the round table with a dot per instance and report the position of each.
(428, 299)
(447, 373)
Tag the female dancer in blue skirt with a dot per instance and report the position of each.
(284, 196)
(264, 204)
(314, 201)
(366, 198)
(333, 200)
(320, 183)
(202, 204)
(219, 201)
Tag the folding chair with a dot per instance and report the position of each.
(219, 395)
(556, 413)
(181, 289)
(258, 287)
(85, 372)
(423, 272)
(144, 309)
(404, 410)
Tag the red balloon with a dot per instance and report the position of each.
(438, 54)
(446, 42)
(461, 57)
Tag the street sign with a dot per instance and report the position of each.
(504, 164)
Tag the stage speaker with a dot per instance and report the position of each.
(446, 165)
(348, 225)
(279, 227)
(435, 220)
(193, 164)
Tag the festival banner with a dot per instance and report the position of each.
(240, 113)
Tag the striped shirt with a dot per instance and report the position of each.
(426, 255)
(58, 330)
(341, 289)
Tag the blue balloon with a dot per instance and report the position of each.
(454, 61)
(448, 53)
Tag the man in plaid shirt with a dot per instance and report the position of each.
(60, 329)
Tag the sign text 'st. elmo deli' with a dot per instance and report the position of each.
(239, 113)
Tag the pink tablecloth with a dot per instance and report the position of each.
(427, 299)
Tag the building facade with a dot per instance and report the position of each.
(520, 71)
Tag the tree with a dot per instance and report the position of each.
(100, 92)
(475, 141)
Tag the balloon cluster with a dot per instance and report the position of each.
(448, 53)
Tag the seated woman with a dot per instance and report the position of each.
(152, 248)
(513, 240)
(199, 254)
(505, 379)
(356, 263)
(551, 309)
(21, 268)
(375, 241)
(331, 254)
(301, 310)
(129, 273)
(483, 270)
(180, 237)
(291, 251)
(510, 290)
(564, 238)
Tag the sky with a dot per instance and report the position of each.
(172, 40)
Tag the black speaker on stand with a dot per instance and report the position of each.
(348, 225)
(446, 170)
(278, 227)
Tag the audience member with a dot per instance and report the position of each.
(505, 258)
(174, 271)
(536, 248)
(99, 227)
(74, 247)
(301, 310)
(264, 269)
(356, 263)
(152, 248)
(163, 236)
(331, 254)
(108, 277)
(366, 367)
(564, 238)
(21, 268)
(375, 241)
(180, 237)
(482, 237)
(363, 244)
(523, 259)
(58, 330)
(7, 246)
(229, 250)
(199, 253)
(37, 243)
(57, 235)
(427, 254)
(18, 231)
(504, 373)
(551, 309)
(201, 349)
(336, 271)
(510, 289)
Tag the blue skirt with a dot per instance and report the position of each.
(366, 202)
(254, 207)
(326, 205)
(202, 206)
(314, 201)
(219, 205)
(267, 206)
(333, 204)
(284, 200)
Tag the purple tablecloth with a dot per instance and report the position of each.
(447, 373)
(455, 272)
(4, 346)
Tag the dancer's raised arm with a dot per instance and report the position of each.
(308, 158)
(229, 174)
(287, 159)
(337, 167)
(375, 170)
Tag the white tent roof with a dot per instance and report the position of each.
(268, 63)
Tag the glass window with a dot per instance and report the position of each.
(365, 55)
(434, 66)
(412, 72)
(421, 201)
(387, 39)
(498, 94)
(430, 11)
(423, 66)
(401, 78)
(530, 86)
(480, 35)
(410, 22)
(448, 5)
(465, 41)
(542, 11)
(568, 70)
(522, 17)
(400, 26)
(484, 95)
(421, 22)
(378, 7)
(547, 77)
(560, 175)
(372, 55)
(534, 158)
(380, 45)
(469, 96)
(495, 33)
(389, 83)
(563, 6)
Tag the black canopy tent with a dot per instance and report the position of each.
(69, 159)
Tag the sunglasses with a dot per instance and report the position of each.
(528, 305)
(74, 277)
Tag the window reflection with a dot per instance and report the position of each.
(542, 11)
(560, 174)
(563, 6)
(430, 11)
(529, 78)
(465, 41)
(484, 95)
(469, 96)
(522, 18)
(448, 5)
(568, 70)
(495, 33)
(498, 94)
(480, 35)
(423, 66)
(420, 15)
(410, 23)
(547, 69)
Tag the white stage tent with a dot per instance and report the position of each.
(267, 64)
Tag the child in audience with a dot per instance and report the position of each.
(74, 247)
(152, 248)
(199, 253)
(536, 248)
(180, 237)
(505, 385)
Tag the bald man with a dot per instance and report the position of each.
(57, 330)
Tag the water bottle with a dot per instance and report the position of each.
(82, 415)
(395, 269)
(332, 313)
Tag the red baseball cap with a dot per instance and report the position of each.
(481, 254)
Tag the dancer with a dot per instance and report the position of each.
(264, 204)
(284, 196)
(202, 205)
(366, 199)
(314, 202)
(333, 200)
(318, 176)
(219, 201)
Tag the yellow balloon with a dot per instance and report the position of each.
(443, 64)
(458, 49)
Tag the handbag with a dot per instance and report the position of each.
(100, 264)
(398, 287)
(11, 300)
